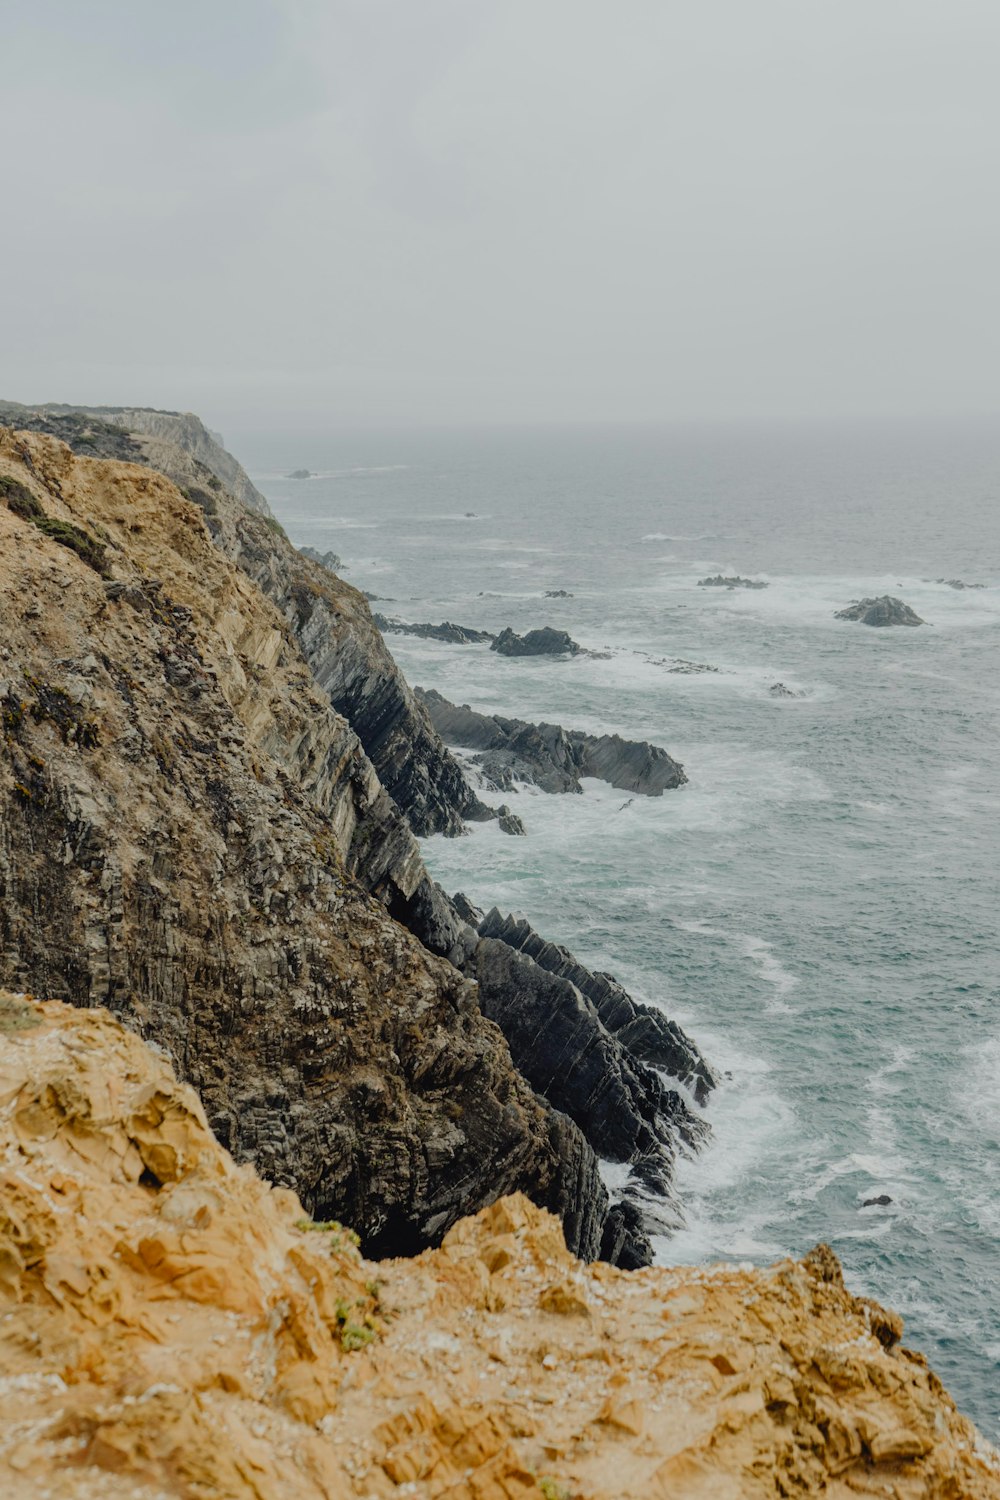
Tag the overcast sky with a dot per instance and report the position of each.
(307, 212)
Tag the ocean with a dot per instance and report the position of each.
(818, 906)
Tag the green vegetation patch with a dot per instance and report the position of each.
(24, 504)
(20, 500)
(86, 547)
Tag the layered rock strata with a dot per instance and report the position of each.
(172, 1327)
(448, 631)
(642, 1030)
(190, 835)
(548, 756)
(331, 621)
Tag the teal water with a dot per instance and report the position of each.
(819, 905)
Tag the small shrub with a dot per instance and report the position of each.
(19, 499)
(86, 547)
(275, 525)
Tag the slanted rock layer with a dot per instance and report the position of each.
(190, 835)
(548, 756)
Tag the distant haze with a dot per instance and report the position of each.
(294, 213)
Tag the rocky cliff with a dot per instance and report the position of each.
(331, 621)
(192, 836)
(170, 1326)
(91, 429)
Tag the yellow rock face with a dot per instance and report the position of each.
(171, 1326)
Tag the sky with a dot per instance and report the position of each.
(304, 214)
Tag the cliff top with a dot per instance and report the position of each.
(171, 1326)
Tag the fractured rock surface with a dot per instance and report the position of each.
(191, 836)
(170, 1326)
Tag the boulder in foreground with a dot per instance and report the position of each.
(173, 1327)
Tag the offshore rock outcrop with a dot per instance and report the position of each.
(885, 610)
(191, 836)
(548, 756)
(454, 635)
(544, 642)
(171, 1328)
(719, 581)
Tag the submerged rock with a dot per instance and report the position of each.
(780, 690)
(956, 583)
(548, 756)
(883, 610)
(300, 474)
(544, 642)
(736, 582)
(557, 594)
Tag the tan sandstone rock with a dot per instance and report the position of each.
(170, 1326)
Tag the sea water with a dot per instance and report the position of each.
(818, 905)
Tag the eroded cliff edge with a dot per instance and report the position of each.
(192, 836)
(173, 1327)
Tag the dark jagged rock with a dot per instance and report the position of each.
(548, 756)
(559, 1042)
(329, 560)
(349, 659)
(544, 642)
(455, 635)
(882, 1201)
(509, 822)
(957, 583)
(884, 610)
(780, 690)
(644, 1031)
(625, 1242)
(736, 582)
(558, 594)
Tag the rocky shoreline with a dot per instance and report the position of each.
(262, 910)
